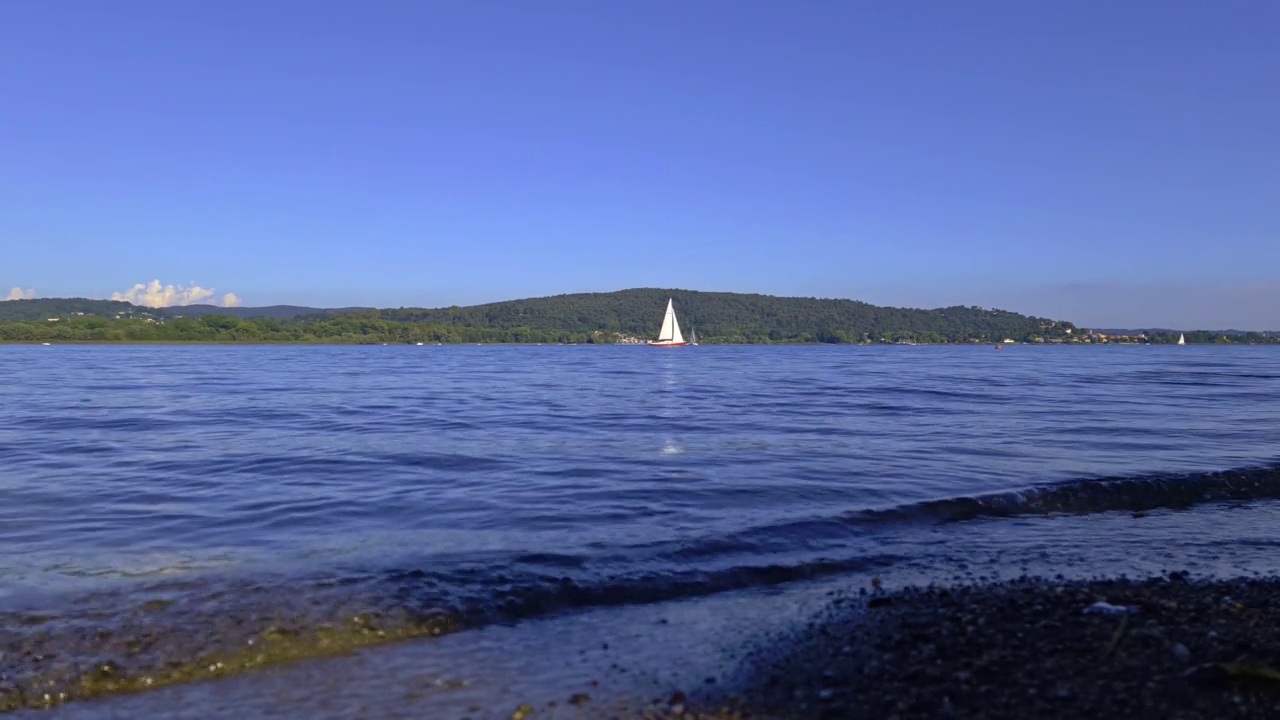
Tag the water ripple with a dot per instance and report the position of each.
(605, 459)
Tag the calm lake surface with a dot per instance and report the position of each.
(499, 483)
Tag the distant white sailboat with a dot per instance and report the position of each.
(693, 337)
(669, 335)
(1182, 339)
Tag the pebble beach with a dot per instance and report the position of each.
(1163, 647)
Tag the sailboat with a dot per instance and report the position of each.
(1182, 339)
(669, 335)
(693, 337)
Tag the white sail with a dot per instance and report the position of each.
(1182, 339)
(670, 332)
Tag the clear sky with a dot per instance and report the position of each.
(1112, 163)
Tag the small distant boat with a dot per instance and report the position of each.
(1182, 339)
(669, 335)
(419, 344)
(46, 343)
(693, 337)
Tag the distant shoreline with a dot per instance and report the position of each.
(304, 343)
(626, 316)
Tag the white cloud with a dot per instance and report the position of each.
(19, 294)
(153, 294)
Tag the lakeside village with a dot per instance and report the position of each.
(1087, 337)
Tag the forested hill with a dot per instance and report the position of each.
(738, 317)
(45, 308)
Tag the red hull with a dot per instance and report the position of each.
(655, 344)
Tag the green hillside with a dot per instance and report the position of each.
(45, 308)
(738, 317)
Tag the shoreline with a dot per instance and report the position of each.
(303, 343)
(1162, 647)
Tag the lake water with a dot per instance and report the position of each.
(227, 487)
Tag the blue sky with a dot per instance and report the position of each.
(1109, 163)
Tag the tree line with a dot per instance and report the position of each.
(222, 328)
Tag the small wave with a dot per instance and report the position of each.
(1083, 497)
(580, 472)
(829, 533)
(445, 461)
(516, 596)
(552, 560)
